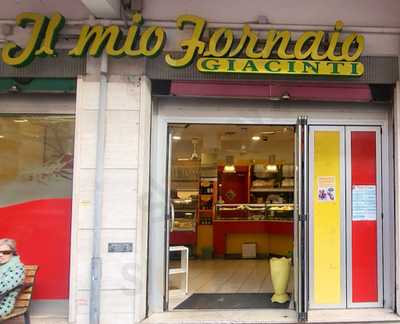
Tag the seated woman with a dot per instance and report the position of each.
(12, 275)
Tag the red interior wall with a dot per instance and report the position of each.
(236, 182)
(42, 231)
(364, 233)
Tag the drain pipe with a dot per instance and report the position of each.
(96, 263)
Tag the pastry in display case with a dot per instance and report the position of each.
(184, 214)
(274, 189)
(183, 222)
(266, 211)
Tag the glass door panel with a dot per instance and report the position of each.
(169, 219)
(300, 221)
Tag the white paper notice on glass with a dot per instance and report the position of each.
(363, 203)
(327, 188)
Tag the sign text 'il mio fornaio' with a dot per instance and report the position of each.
(273, 52)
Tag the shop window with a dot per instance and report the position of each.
(36, 167)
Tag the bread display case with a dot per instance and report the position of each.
(272, 211)
(184, 214)
(183, 221)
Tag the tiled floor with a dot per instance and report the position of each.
(223, 276)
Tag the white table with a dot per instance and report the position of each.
(184, 265)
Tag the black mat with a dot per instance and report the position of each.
(230, 301)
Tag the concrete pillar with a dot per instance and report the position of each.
(124, 215)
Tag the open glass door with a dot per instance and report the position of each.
(300, 220)
(169, 221)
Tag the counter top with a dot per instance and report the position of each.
(254, 220)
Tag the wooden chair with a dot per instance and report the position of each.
(23, 302)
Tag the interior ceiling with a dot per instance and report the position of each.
(231, 139)
(231, 132)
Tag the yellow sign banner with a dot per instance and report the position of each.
(272, 66)
(312, 53)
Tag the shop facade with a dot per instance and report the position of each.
(100, 148)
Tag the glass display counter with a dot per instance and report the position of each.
(183, 222)
(184, 214)
(254, 211)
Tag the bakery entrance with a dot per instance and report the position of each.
(231, 213)
(332, 172)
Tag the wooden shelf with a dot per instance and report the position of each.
(271, 189)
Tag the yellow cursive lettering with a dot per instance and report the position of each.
(214, 44)
(192, 45)
(56, 23)
(12, 54)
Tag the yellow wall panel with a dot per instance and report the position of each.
(327, 218)
(204, 238)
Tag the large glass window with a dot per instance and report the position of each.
(36, 165)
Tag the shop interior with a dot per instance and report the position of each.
(232, 202)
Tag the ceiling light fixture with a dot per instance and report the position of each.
(14, 89)
(176, 137)
(256, 138)
(271, 166)
(195, 155)
(229, 164)
(20, 120)
(285, 96)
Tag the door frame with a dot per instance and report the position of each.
(223, 111)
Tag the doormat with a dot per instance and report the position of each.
(230, 301)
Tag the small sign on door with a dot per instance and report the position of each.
(363, 203)
(327, 188)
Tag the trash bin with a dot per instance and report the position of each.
(280, 273)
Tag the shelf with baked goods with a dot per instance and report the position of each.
(272, 186)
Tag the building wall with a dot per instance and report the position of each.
(125, 194)
(362, 16)
(352, 12)
(124, 212)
